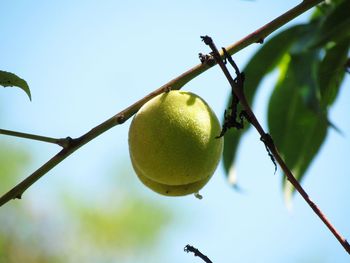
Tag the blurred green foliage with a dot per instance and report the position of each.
(119, 227)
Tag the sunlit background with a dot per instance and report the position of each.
(87, 60)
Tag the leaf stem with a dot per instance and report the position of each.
(176, 83)
(266, 138)
(61, 142)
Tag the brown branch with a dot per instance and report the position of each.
(63, 142)
(74, 144)
(177, 83)
(266, 138)
(197, 253)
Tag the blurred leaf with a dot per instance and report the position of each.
(12, 163)
(296, 128)
(264, 61)
(128, 223)
(335, 26)
(8, 79)
(111, 226)
(331, 72)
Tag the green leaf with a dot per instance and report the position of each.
(8, 79)
(296, 128)
(335, 26)
(331, 72)
(264, 61)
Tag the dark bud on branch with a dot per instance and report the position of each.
(197, 253)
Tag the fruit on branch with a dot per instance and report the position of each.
(173, 145)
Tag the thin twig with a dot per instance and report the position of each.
(75, 144)
(61, 142)
(197, 253)
(175, 84)
(266, 138)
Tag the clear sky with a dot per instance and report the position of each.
(87, 60)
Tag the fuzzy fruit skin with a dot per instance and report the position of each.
(172, 143)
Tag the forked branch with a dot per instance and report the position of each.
(238, 91)
(177, 83)
(63, 142)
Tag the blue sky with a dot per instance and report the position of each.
(87, 60)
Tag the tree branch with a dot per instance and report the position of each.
(269, 144)
(175, 84)
(61, 142)
(197, 253)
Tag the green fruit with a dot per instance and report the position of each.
(172, 143)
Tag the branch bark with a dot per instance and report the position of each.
(63, 142)
(197, 253)
(177, 83)
(238, 91)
